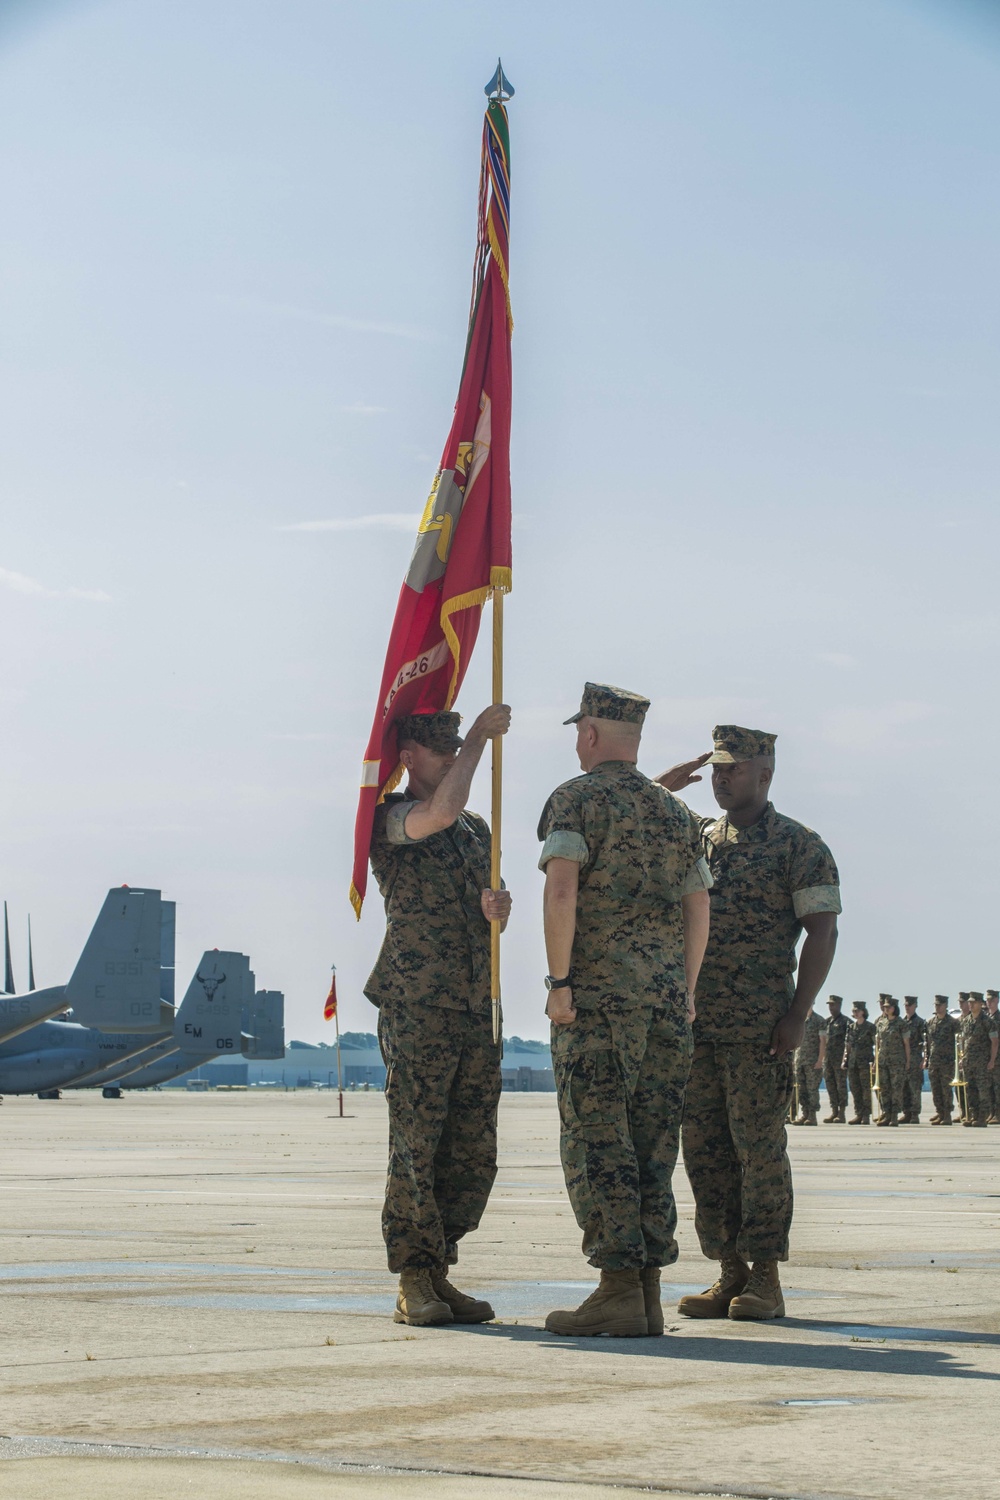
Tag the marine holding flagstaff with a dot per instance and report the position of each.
(626, 922)
(438, 868)
(772, 879)
(431, 983)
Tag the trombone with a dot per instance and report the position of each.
(793, 1103)
(958, 1082)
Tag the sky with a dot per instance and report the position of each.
(755, 449)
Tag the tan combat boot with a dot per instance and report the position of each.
(649, 1280)
(417, 1303)
(617, 1308)
(809, 1119)
(714, 1303)
(762, 1296)
(463, 1309)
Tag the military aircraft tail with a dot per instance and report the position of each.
(209, 1019)
(116, 983)
(265, 1025)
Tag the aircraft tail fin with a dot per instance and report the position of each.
(209, 1019)
(8, 967)
(116, 983)
(31, 959)
(168, 944)
(265, 1023)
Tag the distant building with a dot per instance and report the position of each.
(305, 1066)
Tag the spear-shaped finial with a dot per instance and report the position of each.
(499, 87)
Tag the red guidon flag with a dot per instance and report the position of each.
(330, 1008)
(462, 551)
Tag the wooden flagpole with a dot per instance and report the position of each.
(497, 809)
(340, 1078)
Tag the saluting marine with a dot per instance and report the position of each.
(939, 1059)
(808, 1062)
(836, 1027)
(431, 983)
(626, 921)
(859, 1060)
(773, 878)
(892, 1060)
(978, 1040)
(913, 1086)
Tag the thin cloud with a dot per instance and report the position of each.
(385, 521)
(339, 320)
(20, 583)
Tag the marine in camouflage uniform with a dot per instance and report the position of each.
(431, 983)
(978, 1038)
(913, 1087)
(891, 1042)
(623, 864)
(993, 1011)
(808, 1064)
(836, 1027)
(939, 1055)
(773, 877)
(860, 1056)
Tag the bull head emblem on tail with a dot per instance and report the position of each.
(210, 983)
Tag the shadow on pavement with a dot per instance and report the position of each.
(860, 1358)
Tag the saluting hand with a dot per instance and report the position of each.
(678, 777)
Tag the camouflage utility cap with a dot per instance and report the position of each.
(940, 999)
(733, 744)
(602, 701)
(433, 731)
(976, 995)
(837, 997)
(992, 992)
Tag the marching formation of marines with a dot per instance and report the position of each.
(681, 1012)
(887, 1061)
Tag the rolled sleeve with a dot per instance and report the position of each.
(816, 898)
(395, 824)
(700, 879)
(562, 844)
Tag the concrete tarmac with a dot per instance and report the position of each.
(194, 1300)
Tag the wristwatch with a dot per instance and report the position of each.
(557, 984)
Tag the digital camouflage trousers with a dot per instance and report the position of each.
(443, 1087)
(836, 1086)
(807, 1085)
(620, 1082)
(978, 1081)
(913, 1089)
(891, 1077)
(734, 1150)
(941, 1074)
(860, 1075)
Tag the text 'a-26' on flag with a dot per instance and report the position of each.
(462, 551)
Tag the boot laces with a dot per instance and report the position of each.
(424, 1282)
(732, 1272)
(760, 1283)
